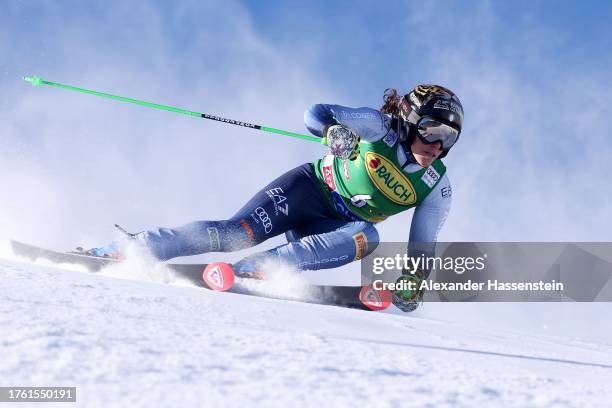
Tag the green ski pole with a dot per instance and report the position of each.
(36, 81)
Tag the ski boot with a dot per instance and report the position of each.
(111, 251)
(250, 267)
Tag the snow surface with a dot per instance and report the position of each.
(135, 343)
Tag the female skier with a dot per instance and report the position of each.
(381, 162)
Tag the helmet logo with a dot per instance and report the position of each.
(415, 100)
(448, 105)
(431, 89)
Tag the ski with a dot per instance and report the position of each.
(192, 272)
(354, 297)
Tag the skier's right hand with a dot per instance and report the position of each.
(343, 142)
(408, 300)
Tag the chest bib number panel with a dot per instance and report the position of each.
(389, 180)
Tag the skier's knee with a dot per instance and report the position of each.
(240, 234)
(366, 241)
(216, 236)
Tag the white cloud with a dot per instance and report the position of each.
(106, 161)
(530, 161)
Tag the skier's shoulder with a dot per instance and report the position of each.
(369, 123)
(441, 194)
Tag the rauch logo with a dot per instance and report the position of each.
(389, 180)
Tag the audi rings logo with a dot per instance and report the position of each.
(264, 218)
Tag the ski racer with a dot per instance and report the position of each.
(380, 163)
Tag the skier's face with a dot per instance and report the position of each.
(425, 154)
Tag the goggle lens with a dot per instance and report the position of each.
(431, 131)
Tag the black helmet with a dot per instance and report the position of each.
(432, 103)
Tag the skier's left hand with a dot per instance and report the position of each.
(408, 300)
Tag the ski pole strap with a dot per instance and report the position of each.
(37, 81)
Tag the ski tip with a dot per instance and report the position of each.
(218, 276)
(373, 299)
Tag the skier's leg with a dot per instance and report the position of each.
(330, 244)
(314, 227)
(194, 238)
(292, 199)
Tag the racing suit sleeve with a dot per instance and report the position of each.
(428, 219)
(370, 124)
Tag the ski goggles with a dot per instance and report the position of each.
(430, 130)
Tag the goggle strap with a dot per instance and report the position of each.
(413, 117)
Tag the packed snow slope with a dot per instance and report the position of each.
(134, 343)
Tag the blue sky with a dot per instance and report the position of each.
(534, 78)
